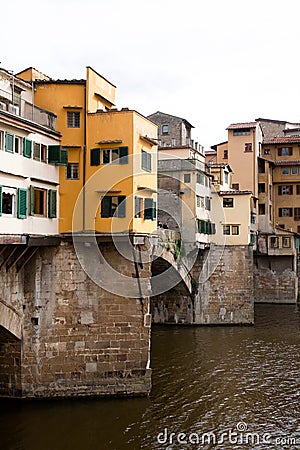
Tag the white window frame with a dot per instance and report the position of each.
(13, 193)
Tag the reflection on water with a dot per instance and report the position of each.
(205, 379)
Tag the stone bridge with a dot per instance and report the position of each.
(63, 334)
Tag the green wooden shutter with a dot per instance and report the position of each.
(121, 206)
(31, 199)
(123, 155)
(95, 157)
(22, 203)
(148, 211)
(27, 145)
(106, 207)
(9, 142)
(0, 200)
(52, 202)
(54, 154)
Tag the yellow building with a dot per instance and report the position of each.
(282, 155)
(110, 180)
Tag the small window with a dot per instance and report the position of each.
(165, 129)
(228, 202)
(236, 186)
(138, 207)
(73, 119)
(9, 142)
(261, 166)
(261, 188)
(286, 212)
(261, 209)
(117, 155)
(208, 203)
(285, 151)
(285, 171)
(43, 153)
(296, 214)
(298, 189)
(36, 151)
(226, 177)
(225, 155)
(18, 145)
(235, 230)
(285, 190)
(8, 201)
(72, 171)
(286, 242)
(187, 178)
(174, 142)
(274, 242)
(226, 229)
(200, 202)
(39, 202)
(1, 140)
(241, 132)
(294, 170)
(200, 178)
(146, 161)
(248, 147)
(113, 206)
(267, 151)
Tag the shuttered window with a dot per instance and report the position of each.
(9, 142)
(146, 161)
(150, 209)
(113, 206)
(52, 201)
(123, 155)
(22, 203)
(57, 155)
(27, 146)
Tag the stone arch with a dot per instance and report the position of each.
(10, 319)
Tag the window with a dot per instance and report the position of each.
(274, 242)
(296, 214)
(200, 178)
(73, 119)
(1, 140)
(261, 188)
(248, 147)
(236, 186)
(298, 189)
(57, 155)
(261, 209)
(286, 212)
(225, 156)
(286, 242)
(241, 132)
(261, 166)
(226, 177)
(39, 201)
(117, 155)
(267, 151)
(285, 151)
(18, 143)
(174, 142)
(235, 230)
(285, 171)
(226, 229)
(36, 151)
(43, 153)
(285, 190)
(72, 171)
(281, 225)
(294, 170)
(200, 202)
(187, 178)
(207, 203)
(205, 227)
(146, 161)
(8, 201)
(113, 206)
(52, 203)
(150, 209)
(228, 202)
(165, 129)
(138, 207)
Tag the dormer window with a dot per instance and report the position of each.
(165, 129)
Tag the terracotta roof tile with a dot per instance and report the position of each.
(295, 162)
(282, 140)
(235, 126)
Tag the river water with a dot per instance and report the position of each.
(239, 385)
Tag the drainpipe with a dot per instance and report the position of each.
(84, 159)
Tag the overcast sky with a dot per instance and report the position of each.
(211, 62)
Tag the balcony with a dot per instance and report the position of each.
(26, 110)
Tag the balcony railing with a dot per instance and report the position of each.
(26, 110)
